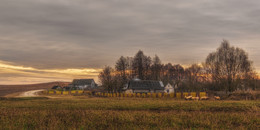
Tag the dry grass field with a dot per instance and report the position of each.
(83, 112)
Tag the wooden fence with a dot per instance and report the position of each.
(138, 95)
(56, 92)
(152, 95)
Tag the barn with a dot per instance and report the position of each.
(144, 86)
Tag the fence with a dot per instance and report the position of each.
(130, 95)
(57, 92)
(153, 95)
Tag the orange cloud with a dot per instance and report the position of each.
(15, 74)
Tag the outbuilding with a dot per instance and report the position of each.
(83, 84)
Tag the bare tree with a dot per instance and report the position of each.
(178, 74)
(250, 82)
(167, 73)
(121, 66)
(194, 77)
(228, 66)
(106, 79)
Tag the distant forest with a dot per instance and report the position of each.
(227, 69)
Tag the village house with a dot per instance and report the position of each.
(144, 86)
(83, 84)
(169, 88)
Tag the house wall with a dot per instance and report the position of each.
(129, 91)
(169, 90)
(84, 86)
(79, 86)
(93, 85)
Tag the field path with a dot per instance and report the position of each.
(32, 93)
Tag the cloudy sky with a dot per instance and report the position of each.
(58, 40)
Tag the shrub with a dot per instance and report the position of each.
(51, 92)
(171, 95)
(165, 95)
(154, 95)
(58, 92)
(80, 91)
(193, 94)
(159, 95)
(244, 95)
(178, 95)
(65, 92)
(73, 92)
(149, 94)
(203, 94)
(185, 94)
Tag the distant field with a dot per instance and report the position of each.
(82, 112)
(10, 89)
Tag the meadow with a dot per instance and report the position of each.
(87, 112)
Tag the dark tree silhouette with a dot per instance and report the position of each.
(156, 68)
(228, 66)
(141, 65)
(179, 74)
(194, 77)
(121, 66)
(106, 79)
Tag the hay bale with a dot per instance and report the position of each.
(172, 95)
(65, 92)
(178, 95)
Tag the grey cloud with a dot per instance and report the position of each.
(94, 33)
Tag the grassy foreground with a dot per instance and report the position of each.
(124, 113)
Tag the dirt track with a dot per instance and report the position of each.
(6, 90)
(32, 93)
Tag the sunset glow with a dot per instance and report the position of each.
(28, 75)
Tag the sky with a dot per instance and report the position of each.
(59, 40)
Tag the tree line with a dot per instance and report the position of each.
(226, 69)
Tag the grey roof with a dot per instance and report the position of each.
(82, 81)
(56, 87)
(145, 85)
